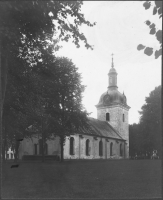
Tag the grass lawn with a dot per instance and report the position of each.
(83, 179)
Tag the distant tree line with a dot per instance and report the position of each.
(146, 136)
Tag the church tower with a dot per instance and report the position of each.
(113, 108)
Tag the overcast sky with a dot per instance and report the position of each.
(120, 28)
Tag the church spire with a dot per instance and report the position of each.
(112, 61)
(112, 79)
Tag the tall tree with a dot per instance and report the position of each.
(28, 26)
(151, 121)
(64, 99)
(135, 140)
(146, 135)
(18, 105)
(54, 98)
(157, 10)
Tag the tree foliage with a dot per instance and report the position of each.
(44, 99)
(29, 36)
(18, 108)
(146, 136)
(157, 10)
(151, 120)
(40, 20)
(63, 97)
(135, 140)
(27, 26)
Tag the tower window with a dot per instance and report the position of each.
(123, 117)
(108, 117)
(71, 146)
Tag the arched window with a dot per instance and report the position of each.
(108, 117)
(121, 151)
(87, 147)
(100, 148)
(35, 149)
(46, 149)
(123, 117)
(71, 146)
(111, 149)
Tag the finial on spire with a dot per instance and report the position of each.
(112, 60)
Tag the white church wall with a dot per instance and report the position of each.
(54, 146)
(80, 148)
(67, 148)
(116, 120)
(27, 147)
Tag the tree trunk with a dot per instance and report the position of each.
(3, 151)
(4, 141)
(61, 143)
(4, 69)
(4, 145)
(3, 78)
(1, 105)
(43, 157)
(3, 83)
(16, 151)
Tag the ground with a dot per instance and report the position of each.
(83, 179)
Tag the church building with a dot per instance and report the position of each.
(108, 137)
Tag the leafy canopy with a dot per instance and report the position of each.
(157, 10)
(146, 136)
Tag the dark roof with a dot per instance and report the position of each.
(112, 70)
(97, 128)
(101, 129)
(111, 97)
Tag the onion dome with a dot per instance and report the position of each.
(112, 97)
(112, 70)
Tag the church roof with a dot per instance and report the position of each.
(112, 70)
(101, 129)
(97, 128)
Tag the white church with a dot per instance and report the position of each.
(107, 139)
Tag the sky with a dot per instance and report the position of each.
(119, 29)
